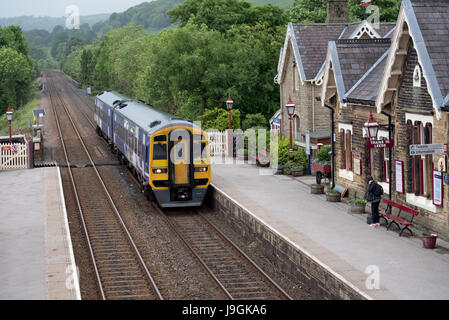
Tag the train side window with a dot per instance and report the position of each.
(160, 151)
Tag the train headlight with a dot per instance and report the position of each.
(201, 169)
(159, 171)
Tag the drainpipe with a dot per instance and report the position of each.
(333, 143)
(390, 134)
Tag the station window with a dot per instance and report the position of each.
(346, 149)
(422, 165)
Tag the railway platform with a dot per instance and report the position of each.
(36, 256)
(375, 263)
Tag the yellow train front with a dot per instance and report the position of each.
(180, 168)
(168, 155)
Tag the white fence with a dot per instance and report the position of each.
(218, 142)
(13, 156)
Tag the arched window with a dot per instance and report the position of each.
(297, 128)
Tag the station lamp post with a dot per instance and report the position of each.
(290, 111)
(229, 106)
(371, 127)
(9, 117)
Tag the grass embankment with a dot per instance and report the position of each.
(19, 117)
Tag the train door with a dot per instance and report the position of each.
(180, 157)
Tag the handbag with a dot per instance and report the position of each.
(369, 219)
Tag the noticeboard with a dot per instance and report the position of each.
(437, 188)
(399, 178)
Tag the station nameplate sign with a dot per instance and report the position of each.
(379, 143)
(423, 149)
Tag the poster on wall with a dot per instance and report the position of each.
(399, 165)
(437, 188)
(357, 166)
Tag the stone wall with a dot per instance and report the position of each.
(292, 262)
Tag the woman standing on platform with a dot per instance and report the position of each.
(373, 195)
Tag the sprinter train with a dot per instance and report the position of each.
(168, 155)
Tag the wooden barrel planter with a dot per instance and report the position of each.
(317, 189)
(356, 208)
(333, 197)
(297, 172)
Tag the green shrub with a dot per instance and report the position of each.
(331, 191)
(357, 201)
(323, 155)
(255, 121)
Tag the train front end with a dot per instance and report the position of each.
(180, 171)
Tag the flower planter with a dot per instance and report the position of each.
(321, 167)
(429, 242)
(317, 189)
(356, 208)
(297, 172)
(333, 197)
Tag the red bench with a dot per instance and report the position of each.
(397, 220)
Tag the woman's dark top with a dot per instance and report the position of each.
(374, 192)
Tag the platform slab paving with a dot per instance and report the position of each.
(341, 241)
(36, 256)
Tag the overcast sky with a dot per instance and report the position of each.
(57, 8)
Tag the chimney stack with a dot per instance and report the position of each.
(337, 11)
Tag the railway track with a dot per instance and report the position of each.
(229, 267)
(120, 270)
(239, 277)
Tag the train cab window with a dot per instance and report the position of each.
(160, 138)
(160, 151)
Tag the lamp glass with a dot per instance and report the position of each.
(290, 110)
(373, 132)
(9, 116)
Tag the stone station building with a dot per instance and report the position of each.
(404, 83)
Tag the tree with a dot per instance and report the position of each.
(256, 120)
(86, 66)
(218, 119)
(388, 10)
(307, 11)
(314, 11)
(15, 77)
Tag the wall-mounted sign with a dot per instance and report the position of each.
(399, 178)
(357, 166)
(442, 164)
(6, 148)
(437, 188)
(379, 143)
(423, 149)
